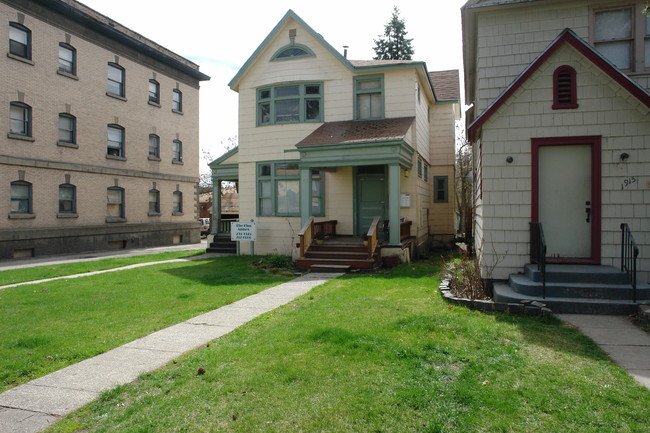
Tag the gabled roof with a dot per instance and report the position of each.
(446, 84)
(355, 66)
(359, 131)
(224, 157)
(567, 36)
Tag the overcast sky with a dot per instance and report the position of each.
(221, 35)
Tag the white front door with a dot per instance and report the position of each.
(565, 200)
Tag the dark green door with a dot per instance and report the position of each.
(371, 199)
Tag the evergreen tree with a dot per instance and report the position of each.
(393, 45)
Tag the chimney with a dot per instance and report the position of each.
(345, 51)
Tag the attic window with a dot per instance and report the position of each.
(292, 51)
(564, 88)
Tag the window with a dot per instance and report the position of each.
(419, 167)
(440, 193)
(21, 197)
(290, 104)
(67, 198)
(369, 97)
(426, 172)
(278, 189)
(154, 146)
(67, 128)
(67, 59)
(292, 52)
(317, 193)
(115, 83)
(177, 202)
(115, 142)
(154, 202)
(154, 92)
(177, 100)
(20, 41)
(20, 119)
(177, 151)
(622, 35)
(564, 88)
(115, 203)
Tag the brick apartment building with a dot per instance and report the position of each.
(101, 141)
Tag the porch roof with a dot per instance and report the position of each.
(359, 131)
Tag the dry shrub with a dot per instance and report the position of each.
(465, 279)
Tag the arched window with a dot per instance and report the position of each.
(115, 82)
(177, 203)
(67, 128)
(564, 88)
(67, 198)
(292, 52)
(154, 147)
(154, 202)
(67, 59)
(154, 92)
(21, 197)
(177, 101)
(20, 119)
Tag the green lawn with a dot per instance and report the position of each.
(380, 353)
(50, 325)
(51, 271)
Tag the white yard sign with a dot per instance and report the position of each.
(242, 231)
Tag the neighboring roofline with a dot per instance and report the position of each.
(446, 101)
(82, 14)
(224, 157)
(567, 36)
(234, 83)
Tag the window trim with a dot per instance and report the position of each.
(321, 197)
(28, 45)
(122, 149)
(179, 144)
(73, 50)
(638, 61)
(26, 121)
(303, 97)
(155, 98)
(122, 216)
(156, 211)
(121, 84)
(308, 53)
(177, 206)
(73, 131)
(30, 198)
(444, 189)
(273, 179)
(156, 155)
(357, 92)
(177, 105)
(65, 213)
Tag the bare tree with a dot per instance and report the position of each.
(464, 191)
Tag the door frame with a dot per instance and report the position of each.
(356, 192)
(595, 142)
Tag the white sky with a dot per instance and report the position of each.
(220, 36)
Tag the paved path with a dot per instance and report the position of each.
(32, 407)
(626, 344)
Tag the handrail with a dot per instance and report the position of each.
(223, 227)
(538, 251)
(629, 255)
(373, 237)
(306, 235)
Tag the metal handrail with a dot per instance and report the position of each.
(629, 255)
(538, 251)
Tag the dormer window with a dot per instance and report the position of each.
(292, 51)
(564, 88)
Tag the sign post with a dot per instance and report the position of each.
(243, 231)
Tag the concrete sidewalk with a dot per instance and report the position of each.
(32, 407)
(626, 344)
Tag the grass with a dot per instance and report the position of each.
(380, 353)
(51, 271)
(50, 325)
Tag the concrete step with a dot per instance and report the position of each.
(504, 293)
(568, 289)
(330, 268)
(578, 274)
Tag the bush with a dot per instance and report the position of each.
(275, 263)
(465, 279)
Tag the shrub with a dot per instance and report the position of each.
(465, 279)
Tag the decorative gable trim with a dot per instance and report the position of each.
(566, 37)
(292, 51)
(224, 157)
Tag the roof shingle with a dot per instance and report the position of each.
(359, 131)
(446, 85)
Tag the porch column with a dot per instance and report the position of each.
(393, 204)
(216, 206)
(305, 195)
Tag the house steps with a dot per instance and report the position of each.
(222, 245)
(337, 258)
(582, 289)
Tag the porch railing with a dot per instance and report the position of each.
(224, 226)
(373, 237)
(405, 230)
(629, 255)
(327, 228)
(538, 251)
(306, 236)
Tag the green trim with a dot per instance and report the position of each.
(305, 48)
(321, 197)
(224, 157)
(273, 180)
(268, 97)
(393, 204)
(357, 92)
(341, 155)
(226, 172)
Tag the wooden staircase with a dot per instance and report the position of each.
(337, 255)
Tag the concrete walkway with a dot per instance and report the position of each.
(626, 344)
(32, 407)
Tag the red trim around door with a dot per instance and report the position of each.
(595, 142)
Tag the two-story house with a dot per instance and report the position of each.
(100, 134)
(560, 123)
(341, 149)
